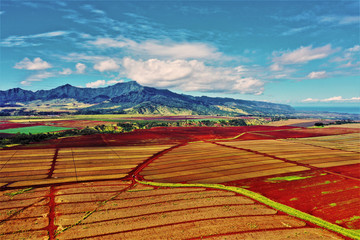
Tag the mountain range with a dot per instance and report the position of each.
(131, 97)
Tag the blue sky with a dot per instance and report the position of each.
(292, 52)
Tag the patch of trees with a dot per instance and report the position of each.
(337, 122)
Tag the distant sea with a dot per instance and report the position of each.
(351, 110)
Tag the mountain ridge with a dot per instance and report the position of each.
(134, 98)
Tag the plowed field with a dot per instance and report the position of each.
(86, 187)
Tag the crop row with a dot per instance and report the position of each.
(119, 210)
(210, 163)
(40, 167)
(300, 152)
(347, 142)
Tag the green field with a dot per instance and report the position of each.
(34, 129)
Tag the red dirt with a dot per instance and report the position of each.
(8, 125)
(348, 170)
(330, 197)
(158, 135)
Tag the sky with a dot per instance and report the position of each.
(302, 53)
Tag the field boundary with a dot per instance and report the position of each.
(260, 198)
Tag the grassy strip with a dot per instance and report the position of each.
(258, 197)
(287, 178)
(34, 129)
(21, 191)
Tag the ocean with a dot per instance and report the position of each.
(351, 110)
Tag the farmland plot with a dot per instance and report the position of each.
(21, 168)
(210, 163)
(329, 190)
(299, 152)
(90, 192)
(346, 142)
(123, 210)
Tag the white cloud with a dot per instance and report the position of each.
(349, 20)
(276, 67)
(341, 20)
(72, 57)
(190, 76)
(114, 81)
(99, 83)
(350, 64)
(111, 43)
(96, 84)
(107, 65)
(241, 69)
(66, 71)
(36, 64)
(317, 75)
(37, 77)
(333, 99)
(155, 48)
(48, 34)
(2, 12)
(179, 50)
(303, 55)
(310, 100)
(356, 48)
(350, 56)
(80, 68)
(30, 40)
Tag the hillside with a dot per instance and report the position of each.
(131, 97)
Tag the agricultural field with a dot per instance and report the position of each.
(34, 129)
(249, 182)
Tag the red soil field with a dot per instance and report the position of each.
(115, 209)
(158, 135)
(349, 170)
(334, 198)
(126, 210)
(8, 125)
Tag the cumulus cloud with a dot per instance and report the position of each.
(36, 64)
(317, 75)
(333, 99)
(107, 65)
(66, 71)
(80, 68)
(191, 75)
(302, 55)
(96, 84)
(37, 77)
